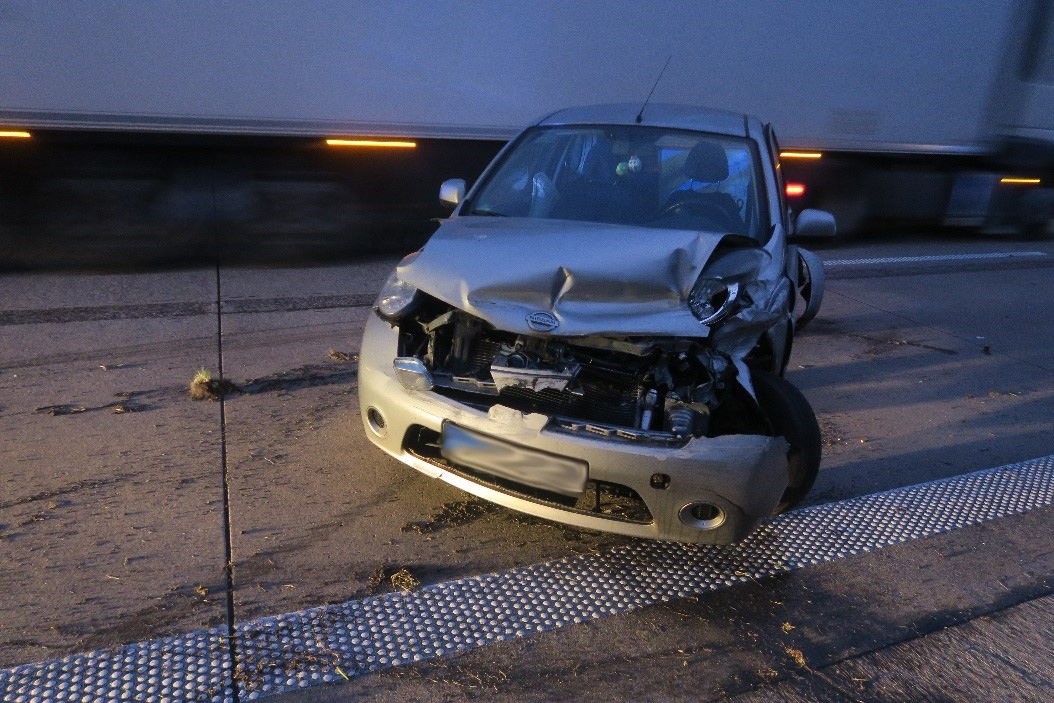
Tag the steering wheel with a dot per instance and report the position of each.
(713, 212)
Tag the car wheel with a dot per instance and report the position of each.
(791, 417)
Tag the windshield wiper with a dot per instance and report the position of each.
(483, 212)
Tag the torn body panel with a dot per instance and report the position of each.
(593, 278)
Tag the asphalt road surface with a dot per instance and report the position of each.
(122, 499)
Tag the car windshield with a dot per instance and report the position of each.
(643, 176)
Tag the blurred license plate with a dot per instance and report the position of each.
(521, 464)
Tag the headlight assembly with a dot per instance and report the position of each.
(396, 299)
(713, 299)
(721, 290)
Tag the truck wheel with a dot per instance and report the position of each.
(1035, 215)
(792, 418)
(844, 195)
(1035, 231)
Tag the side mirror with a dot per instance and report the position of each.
(452, 192)
(815, 224)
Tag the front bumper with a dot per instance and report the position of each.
(743, 476)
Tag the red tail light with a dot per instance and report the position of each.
(795, 190)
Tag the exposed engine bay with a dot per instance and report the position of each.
(657, 388)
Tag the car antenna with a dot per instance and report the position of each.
(640, 115)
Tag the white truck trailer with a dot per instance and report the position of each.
(938, 112)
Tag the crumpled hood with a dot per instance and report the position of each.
(595, 279)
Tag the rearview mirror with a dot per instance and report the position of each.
(815, 224)
(452, 192)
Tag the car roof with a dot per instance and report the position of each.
(657, 115)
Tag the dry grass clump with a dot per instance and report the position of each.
(400, 579)
(337, 355)
(204, 387)
(403, 580)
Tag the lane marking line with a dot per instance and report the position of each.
(941, 257)
(332, 643)
(95, 313)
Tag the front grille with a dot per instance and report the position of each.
(597, 401)
(602, 499)
(615, 433)
(483, 352)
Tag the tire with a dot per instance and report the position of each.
(811, 278)
(791, 417)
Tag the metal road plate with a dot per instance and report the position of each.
(521, 464)
(333, 643)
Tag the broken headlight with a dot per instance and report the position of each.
(713, 299)
(721, 289)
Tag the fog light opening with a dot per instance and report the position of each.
(702, 515)
(375, 420)
(660, 482)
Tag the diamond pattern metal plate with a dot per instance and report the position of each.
(192, 667)
(332, 643)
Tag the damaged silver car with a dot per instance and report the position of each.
(598, 334)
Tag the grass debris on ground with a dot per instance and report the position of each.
(386, 576)
(204, 387)
(404, 580)
(337, 355)
(454, 514)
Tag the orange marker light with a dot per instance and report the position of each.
(795, 190)
(14, 134)
(1020, 181)
(373, 143)
(800, 155)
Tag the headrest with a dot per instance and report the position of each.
(706, 162)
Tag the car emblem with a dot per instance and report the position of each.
(542, 322)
